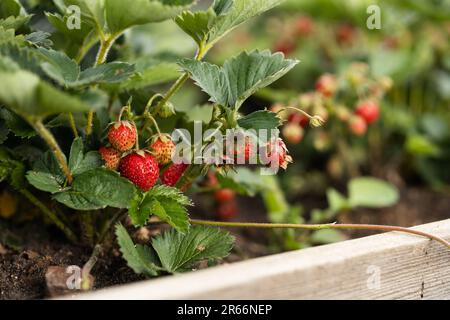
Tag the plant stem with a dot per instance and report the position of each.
(73, 125)
(50, 214)
(87, 268)
(51, 141)
(105, 46)
(321, 226)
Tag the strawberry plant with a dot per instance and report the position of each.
(86, 126)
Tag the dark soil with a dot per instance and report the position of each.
(22, 273)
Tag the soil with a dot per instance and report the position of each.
(22, 273)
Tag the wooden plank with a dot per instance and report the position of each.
(385, 266)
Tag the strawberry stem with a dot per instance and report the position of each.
(321, 226)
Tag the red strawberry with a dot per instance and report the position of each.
(368, 110)
(345, 34)
(227, 210)
(246, 150)
(358, 125)
(326, 85)
(211, 180)
(122, 135)
(141, 168)
(293, 133)
(224, 195)
(277, 147)
(162, 148)
(284, 46)
(111, 157)
(173, 173)
(304, 26)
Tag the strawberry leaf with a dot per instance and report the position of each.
(167, 203)
(47, 174)
(196, 24)
(97, 189)
(261, 119)
(79, 162)
(181, 252)
(140, 258)
(239, 77)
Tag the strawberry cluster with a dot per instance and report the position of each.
(140, 166)
(352, 98)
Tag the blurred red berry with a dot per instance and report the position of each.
(293, 133)
(326, 84)
(345, 34)
(285, 46)
(227, 210)
(368, 110)
(298, 118)
(358, 125)
(304, 26)
(224, 195)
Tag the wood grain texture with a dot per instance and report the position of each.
(408, 267)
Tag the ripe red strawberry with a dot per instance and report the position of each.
(326, 85)
(293, 133)
(304, 26)
(173, 173)
(111, 157)
(277, 147)
(162, 147)
(227, 210)
(224, 195)
(122, 135)
(358, 125)
(140, 168)
(368, 110)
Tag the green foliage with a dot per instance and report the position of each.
(47, 174)
(167, 203)
(175, 252)
(371, 193)
(97, 189)
(243, 181)
(240, 76)
(80, 162)
(261, 119)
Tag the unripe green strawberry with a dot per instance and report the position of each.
(141, 168)
(110, 156)
(162, 148)
(293, 133)
(173, 173)
(122, 135)
(167, 110)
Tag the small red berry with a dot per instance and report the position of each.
(173, 173)
(369, 111)
(304, 26)
(284, 46)
(211, 180)
(162, 147)
(224, 195)
(345, 34)
(358, 125)
(326, 85)
(122, 135)
(110, 156)
(141, 168)
(293, 133)
(227, 210)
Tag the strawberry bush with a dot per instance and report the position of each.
(86, 124)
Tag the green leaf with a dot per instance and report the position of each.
(78, 36)
(243, 181)
(336, 201)
(261, 119)
(421, 145)
(27, 95)
(231, 16)
(150, 72)
(120, 15)
(14, 22)
(181, 252)
(97, 189)
(47, 174)
(196, 24)
(17, 125)
(140, 258)
(372, 193)
(239, 77)
(11, 170)
(39, 39)
(67, 73)
(4, 131)
(79, 162)
(10, 8)
(92, 11)
(168, 203)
